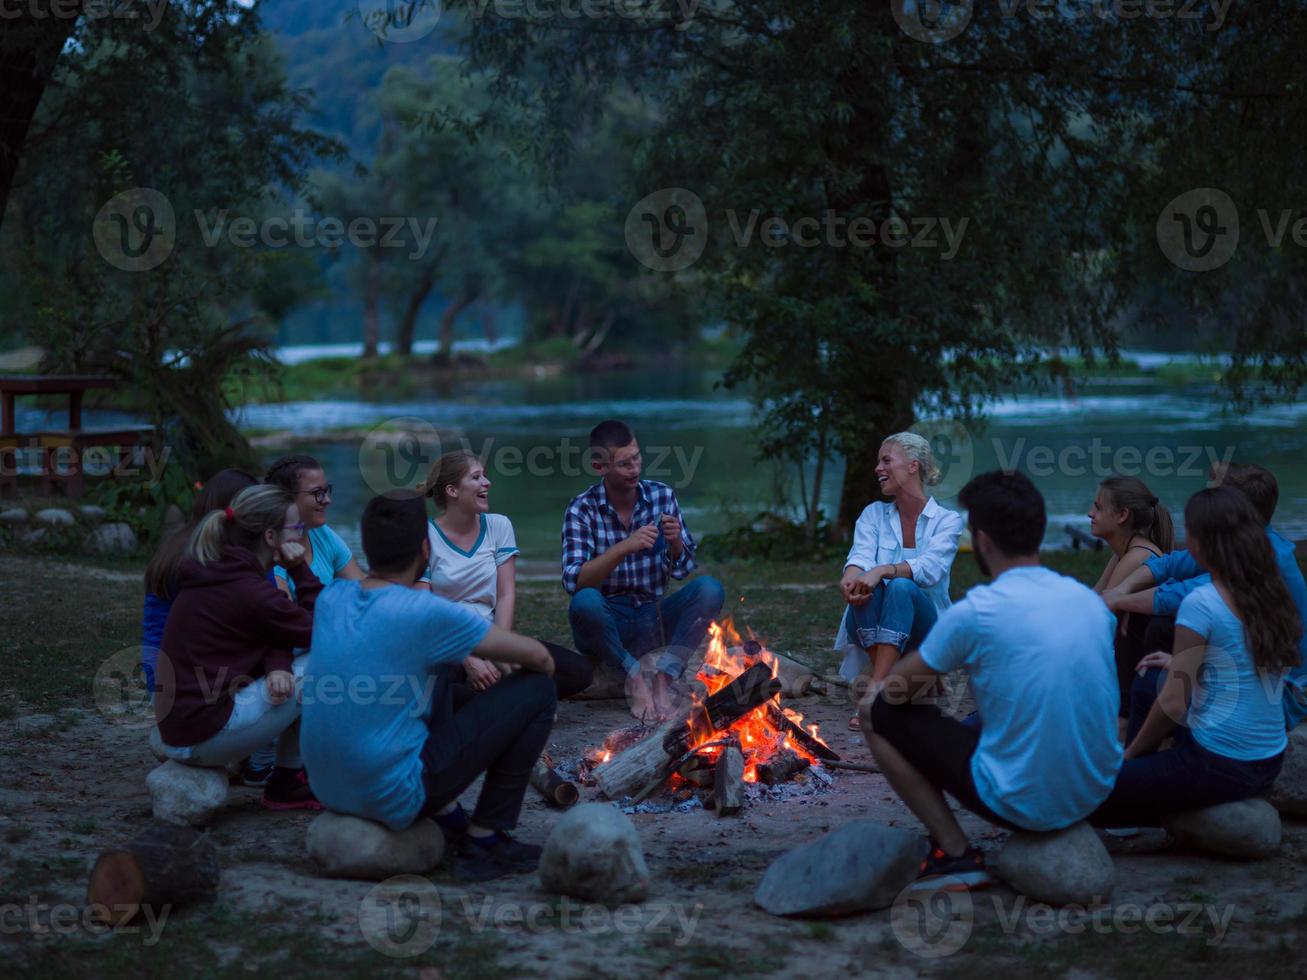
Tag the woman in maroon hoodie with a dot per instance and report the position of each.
(227, 679)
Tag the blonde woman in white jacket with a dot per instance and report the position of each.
(896, 578)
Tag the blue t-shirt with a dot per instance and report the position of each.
(1237, 710)
(1177, 574)
(375, 665)
(1038, 649)
(330, 555)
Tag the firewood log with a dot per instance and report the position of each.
(553, 787)
(164, 865)
(813, 746)
(781, 767)
(728, 782)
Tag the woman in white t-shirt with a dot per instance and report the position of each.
(1221, 695)
(474, 560)
(896, 577)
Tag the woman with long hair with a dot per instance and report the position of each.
(474, 561)
(1137, 527)
(161, 573)
(226, 680)
(896, 577)
(1236, 637)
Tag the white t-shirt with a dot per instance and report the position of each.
(1237, 711)
(1038, 648)
(471, 576)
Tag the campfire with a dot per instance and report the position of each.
(737, 732)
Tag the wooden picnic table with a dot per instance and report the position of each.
(72, 385)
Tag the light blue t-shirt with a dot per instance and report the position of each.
(330, 555)
(1177, 574)
(1237, 711)
(373, 671)
(1038, 648)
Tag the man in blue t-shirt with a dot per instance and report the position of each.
(382, 733)
(1158, 586)
(1037, 647)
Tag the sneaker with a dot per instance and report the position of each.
(289, 792)
(494, 857)
(953, 874)
(252, 775)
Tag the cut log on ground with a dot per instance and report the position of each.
(781, 767)
(166, 865)
(776, 717)
(553, 787)
(853, 766)
(728, 782)
(653, 759)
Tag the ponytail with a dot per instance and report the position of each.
(1148, 515)
(252, 512)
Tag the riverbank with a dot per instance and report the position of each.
(72, 785)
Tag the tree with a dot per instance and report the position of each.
(1051, 137)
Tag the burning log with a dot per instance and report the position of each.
(781, 767)
(728, 782)
(553, 787)
(654, 759)
(697, 770)
(777, 718)
(164, 865)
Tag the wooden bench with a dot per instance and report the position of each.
(60, 452)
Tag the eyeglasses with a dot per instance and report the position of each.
(294, 527)
(320, 494)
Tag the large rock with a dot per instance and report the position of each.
(1289, 794)
(350, 847)
(112, 539)
(1244, 829)
(1065, 867)
(90, 512)
(55, 517)
(186, 794)
(862, 865)
(14, 515)
(594, 854)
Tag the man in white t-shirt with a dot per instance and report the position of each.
(1037, 647)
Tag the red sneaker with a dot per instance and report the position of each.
(289, 792)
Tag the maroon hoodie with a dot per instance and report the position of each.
(228, 626)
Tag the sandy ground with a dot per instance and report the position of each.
(73, 785)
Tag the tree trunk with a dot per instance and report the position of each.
(814, 505)
(884, 417)
(372, 305)
(409, 321)
(29, 50)
(447, 320)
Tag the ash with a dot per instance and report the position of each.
(804, 789)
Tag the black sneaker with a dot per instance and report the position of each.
(965, 872)
(252, 775)
(497, 856)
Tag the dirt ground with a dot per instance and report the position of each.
(72, 784)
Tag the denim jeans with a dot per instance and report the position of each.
(1186, 777)
(501, 732)
(898, 613)
(620, 631)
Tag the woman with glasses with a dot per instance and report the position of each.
(229, 624)
(328, 556)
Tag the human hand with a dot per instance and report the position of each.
(642, 539)
(671, 530)
(846, 582)
(864, 585)
(290, 554)
(481, 674)
(281, 685)
(1157, 658)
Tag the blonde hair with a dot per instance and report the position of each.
(916, 447)
(445, 472)
(254, 510)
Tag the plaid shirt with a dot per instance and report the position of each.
(591, 526)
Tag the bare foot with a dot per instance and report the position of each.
(640, 699)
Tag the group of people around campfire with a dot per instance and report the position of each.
(386, 693)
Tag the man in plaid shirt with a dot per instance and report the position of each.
(622, 539)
